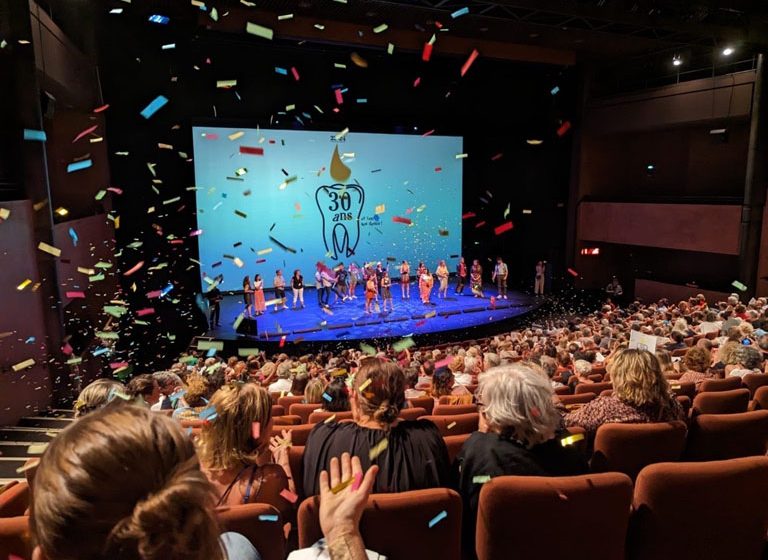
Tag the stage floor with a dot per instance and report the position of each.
(348, 321)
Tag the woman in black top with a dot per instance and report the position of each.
(520, 434)
(411, 454)
(297, 285)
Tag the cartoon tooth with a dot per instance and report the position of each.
(340, 208)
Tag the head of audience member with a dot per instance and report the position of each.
(442, 382)
(300, 380)
(517, 403)
(338, 393)
(582, 369)
(96, 395)
(227, 441)
(746, 359)
(411, 377)
(697, 359)
(144, 388)
(197, 391)
(168, 382)
(639, 382)
(313, 392)
(665, 361)
(490, 360)
(383, 394)
(123, 482)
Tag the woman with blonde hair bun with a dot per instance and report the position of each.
(641, 395)
(411, 454)
(125, 483)
(96, 395)
(238, 456)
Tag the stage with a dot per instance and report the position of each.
(455, 315)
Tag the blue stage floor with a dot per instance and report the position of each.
(348, 321)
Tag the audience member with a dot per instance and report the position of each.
(96, 395)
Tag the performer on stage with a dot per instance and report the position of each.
(476, 279)
(405, 280)
(325, 278)
(354, 277)
(370, 292)
(386, 292)
(279, 283)
(319, 285)
(379, 272)
(461, 275)
(425, 285)
(214, 297)
(442, 276)
(340, 287)
(258, 295)
(420, 270)
(297, 285)
(541, 274)
(500, 274)
(248, 297)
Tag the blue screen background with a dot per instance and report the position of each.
(397, 171)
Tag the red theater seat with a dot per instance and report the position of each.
(14, 499)
(721, 402)
(459, 423)
(453, 409)
(266, 536)
(727, 384)
(317, 417)
(427, 403)
(713, 437)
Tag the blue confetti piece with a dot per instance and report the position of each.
(307, 116)
(73, 235)
(362, 100)
(438, 518)
(458, 13)
(211, 353)
(555, 90)
(153, 107)
(30, 340)
(100, 351)
(35, 135)
(208, 414)
(189, 431)
(265, 517)
(157, 18)
(78, 165)
(344, 90)
(165, 291)
(281, 71)
(327, 397)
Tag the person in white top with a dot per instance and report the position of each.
(284, 382)
(279, 283)
(500, 273)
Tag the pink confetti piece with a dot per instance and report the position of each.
(211, 136)
(497, 157)
(431, 132)
(85, 132)
(101, 109)
(135, 267)
(468, 215)
(400, 220)
(115, 190)
(255, 430)
(358, 481)
(295, 73)
(565, 127)
(145, 311)
(502, 228)
(339, 98)
(154, 294)
(417, 81)
(118, 365)
(573, 272)
(75, 295)
(252, 150)
(289, 496)
(195, 233)
(469, 62)
(426, 53)
(480, 224)
(67, 349)
(493, 302)
(438, 169)
(282, 341)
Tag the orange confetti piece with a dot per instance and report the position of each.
(400, 220)
(135, 267)
(472, 57)
(289, 496)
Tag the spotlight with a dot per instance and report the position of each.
(676, 60)
(728, 51)
(61, 211)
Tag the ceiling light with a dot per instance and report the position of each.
(534, 141)
(728, 51)
(676, 60)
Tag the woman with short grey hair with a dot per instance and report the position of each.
(520, 434)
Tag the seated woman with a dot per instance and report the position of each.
(96, 395)
(444, 384)
(144, 390)
(194, 399)
(338, 395)
(582, 369)
(640, 395)
(519, 435)
(132, 488)
(697, 362)
(313, 392)
(411, 454)
(236, 453)
(666, 363)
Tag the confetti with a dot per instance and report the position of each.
(378, 449)
(295, 73)
(50, 249)
(570, 440)
(251, 150)
(461, 156)
(426, 52)
(24, 284)
(23, 365)
(327, 397)
(289, 496)
(79, 165)
(458, 13)
(554, 91)
(75, 295)
(281, 71)
(390, 48)
(339, 97)
(565, 127)
(4, 213)
(85, 132)
(255, 430)
(268, 517)
(473, 55)
(154, 106)
(330, 419)
(400, 220)
(451, 425)
(381, 28)
(226, 84)
(358, 60)
(438, 518)
(259, 31)
(34, 135)
(503, 228)
(235, 135)
(739, 286)
(468, 215)
(31, 465)
(506, 210)
(364, 385)
(481, 479)
(134, 268)
(573, 272)
(342, 485)
(284, 17)
(401, 345)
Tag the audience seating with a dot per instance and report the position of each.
(582, 398)
(760, 400)
(397, 525)
(266, 536)
(277, 410)
(454, 444)
(412, 413)
(296, 460)
(753, 381)
(592, 388)
(596, 377)
(322, 416)
(714, 510)
(427, 403)
(14, 499)
(304, 410)
(15, 538)
(580, 445)
(465, 423)
(299, 434)
(606, 393)
(286, 402)
(714, 437)
(679, 353)
(516, 516)
(686, 402)
(727, 384)
(721, 402)
(274, 397)
(564, 390)
(452, 409)
(286, 420)
(687, 388)
(627, 448)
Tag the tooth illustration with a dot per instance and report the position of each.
(339, 171)
(340, 208)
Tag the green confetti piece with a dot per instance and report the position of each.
(96, 277)
(481, 479)
(401, 345)
(107, 335)
(115, 310)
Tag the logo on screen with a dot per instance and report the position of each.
(340, 209)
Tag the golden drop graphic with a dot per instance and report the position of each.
(339, 171)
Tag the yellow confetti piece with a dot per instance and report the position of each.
(83, 270)
(165, 202)
(238, 263)
(330, 419)
(430, 314)
(390, 48)
(37, 448)
(264, 251)
(259, 31)
(481, 479)
(381, 28)
(4, 213)
(570, 440)
(342, 134)
(224, 84)
(23, 365)
(451, 425)
(290, 107)
(31, 465)
(364, 385)
(162, 146)
(342, 485)
(378, 449)
(284, 17)
(461, 156)
(235, 135)
(50, 249)
(24, 284)
(380, 209)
